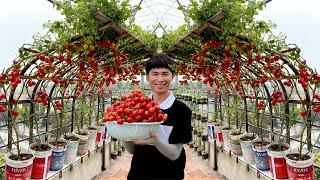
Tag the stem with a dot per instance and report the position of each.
(301, 138)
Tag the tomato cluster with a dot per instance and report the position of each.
(261, 105)
(316, 108)
(277, 97)
(304, 77)
(135, 107)
(41, 98)
(57, 105)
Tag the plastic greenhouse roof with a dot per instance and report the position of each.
(159, 15)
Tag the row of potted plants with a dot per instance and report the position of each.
(267, 153)
(42, 157)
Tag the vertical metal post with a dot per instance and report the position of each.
(246, 112)
(73, 111)
(31, 118)
(215, 156)
(103, 167)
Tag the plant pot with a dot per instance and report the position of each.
(199, 152)
(260, 152)
(41, 162)
(218, 134)
(199, 134)
(195, 148)
(204, 137)
(83, 147)
(246, 148)
(72, 148)
(277, 162)
(299, 169)
(205, 155)
(58, 153)
(19, 169)
(226, 139)
(235, 146)
(119, 152)
(100, 134)
(92, 137)
(114, 154)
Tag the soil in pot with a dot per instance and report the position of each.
(71, 138)
(300, 167)
(278, 147)
(247, 138)
(19, 166)
(41, 147)
(58, 143)
(260, 144)
(296, 157)
(22, 157)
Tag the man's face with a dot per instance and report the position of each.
(159, 79)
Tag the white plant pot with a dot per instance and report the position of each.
(72, 149)
(246, 148)
(83, 147)
(41, 162)
(277, 162)
(301, 169)
(15, 169)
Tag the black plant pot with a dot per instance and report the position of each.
(120, 153)
(114, 154)
(198, 134)
(199, 153)
(204, 138)
(204, 155)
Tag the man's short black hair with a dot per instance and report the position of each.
(159, 60)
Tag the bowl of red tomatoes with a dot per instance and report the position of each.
(133, 117)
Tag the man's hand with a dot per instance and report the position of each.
(153, 137)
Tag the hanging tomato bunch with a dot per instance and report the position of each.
(135, 107)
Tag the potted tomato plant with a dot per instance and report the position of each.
(300, 162)
(19, 162)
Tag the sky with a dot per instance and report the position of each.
(298, 19)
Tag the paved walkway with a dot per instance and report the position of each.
(196, 168)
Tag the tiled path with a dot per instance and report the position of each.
(196, 168)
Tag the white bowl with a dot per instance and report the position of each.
(131, 131)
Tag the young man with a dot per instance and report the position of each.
(162, 156)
